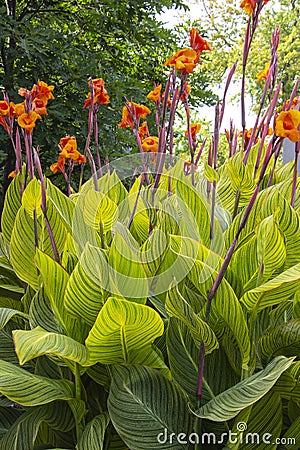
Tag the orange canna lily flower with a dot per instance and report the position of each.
(101, 96)
(27, 120)
(287, 124)
(4, 108)
(248, 6)
(195, 128)
(197, 42)
(43, 91)
(132, 113)
(63, 141)
(39, 106)
(59, 166)
(155, 94)
(68, 146)
(262, 75)
(143, 130)
(150, 144)
(184, 60)
(18, 108)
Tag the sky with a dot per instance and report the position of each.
(232, 109)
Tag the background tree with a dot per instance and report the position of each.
(225, 23)
(64, 43)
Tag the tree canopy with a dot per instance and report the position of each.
(225, 23)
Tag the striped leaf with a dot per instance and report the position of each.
(24, 431)
(84, 294)
(22, 248)
(93, 435)
(31, 390)
(123, 333)
(32, 198)
(270, 202)
(6, 314)
(100, 212)
(197, 213)
(271, 250)
(140, 416)
(55, 280)
(229, 403)
(37, 342)
(263, 418)
(226, 310)
(12, 204)
(41, 313)
(275, 291)
(178, 307)
(288, 385)
(63, 204)
(282, 340)
(128, 277)
(292, 435)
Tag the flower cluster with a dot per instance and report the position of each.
(186, 59)
(132, 113)
(98, 94)
(249, 6)
(28, 111)
(68, 151)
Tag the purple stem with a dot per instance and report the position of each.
(28, 147)
(266, 126)
(293, 94)
(43, 205)
(295, 174)
(96, 138)
(229, 254)
(228, 81)
(200, 151)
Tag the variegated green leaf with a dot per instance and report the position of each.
(273, 292)
(138, 413)
(84, 294)
(229, 403)
(123, 333)
(37, 342)
(12, 204)
(24, 431)
(32, 198)
(128, 277)
(55, 280)
(27, 389)
(178, 307)
(100, 212)
(93, 435)
(282, 340)
(6, 314)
